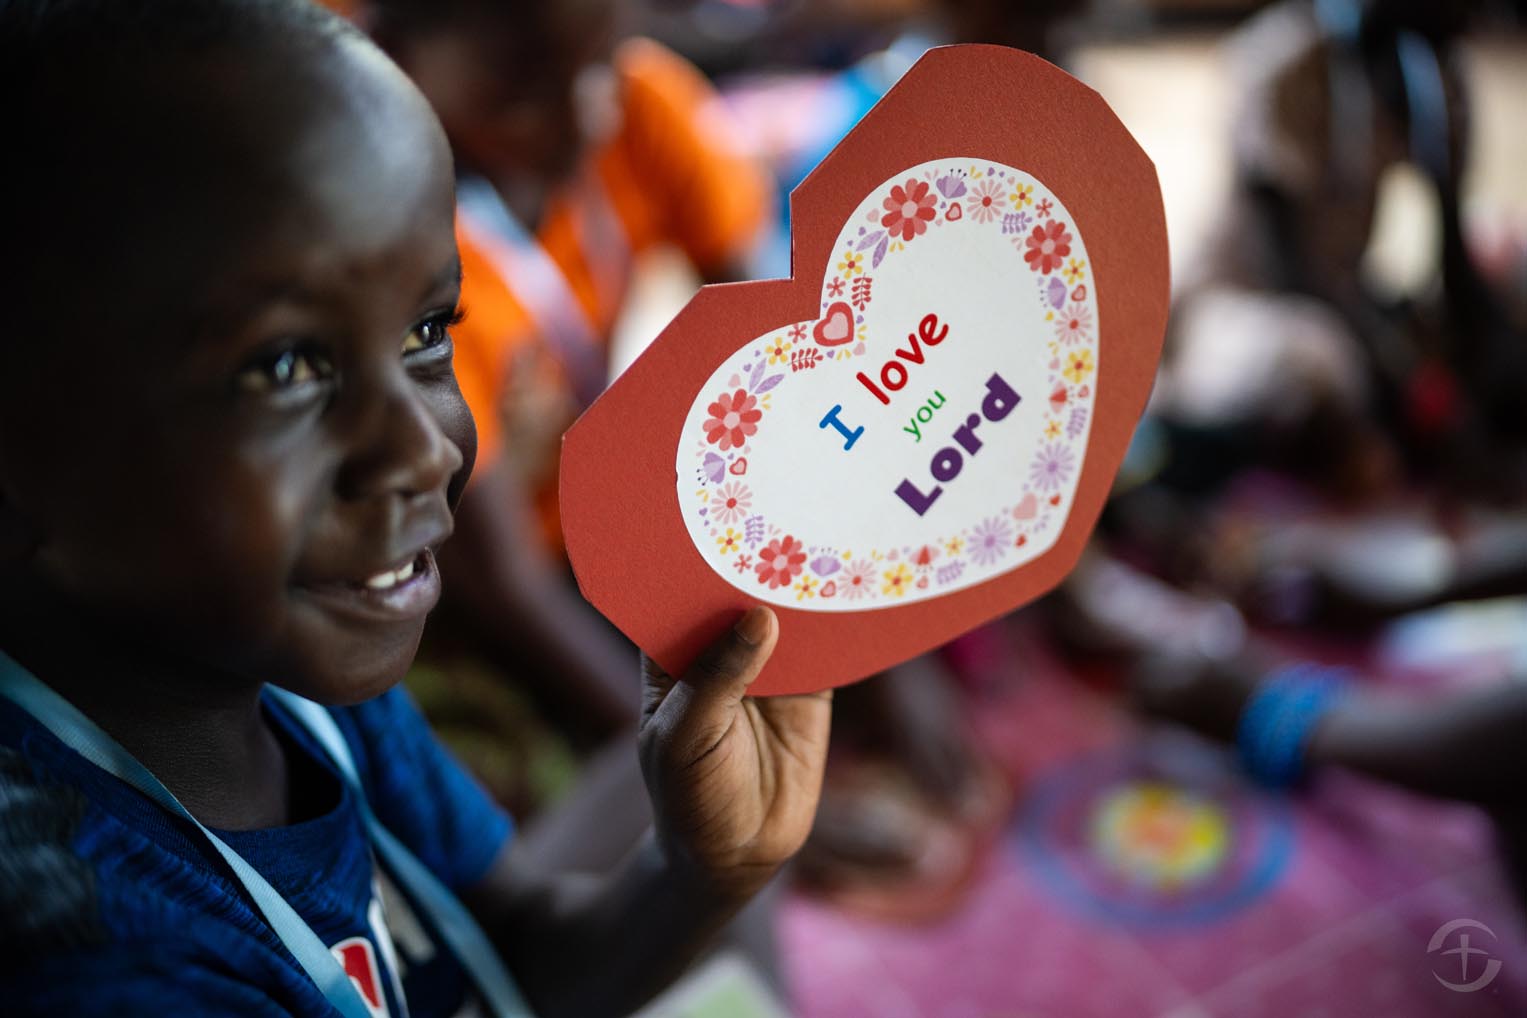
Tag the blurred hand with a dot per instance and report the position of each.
(918, 711)
(734, 779)
(535, 409)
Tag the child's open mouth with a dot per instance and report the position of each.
(401, 593)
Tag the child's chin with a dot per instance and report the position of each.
(361, 677)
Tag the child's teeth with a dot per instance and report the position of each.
(386, 581)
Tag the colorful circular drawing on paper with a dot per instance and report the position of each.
(927, 432)
(1168, 836)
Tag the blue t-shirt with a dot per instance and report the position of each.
(111, 906)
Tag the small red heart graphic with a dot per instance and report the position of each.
(836, 327)
(1058, 397)
(1080, 293)
(1084, 391)
(1055, 500)
(739, 466)
(955, 212)
(837, 466)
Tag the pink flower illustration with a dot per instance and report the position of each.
(1048, 246)
(988, 201)
(1043, 208)
(1073, 324)
(858, 580)
(731, 503)
(835, 288)
(733, 417)
(909, 209)
(780, 562)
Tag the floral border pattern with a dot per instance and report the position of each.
(955, 194)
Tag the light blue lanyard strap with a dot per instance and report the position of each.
(87, 739)
(450, 918)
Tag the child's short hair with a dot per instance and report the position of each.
(55, 55)
(40, 35)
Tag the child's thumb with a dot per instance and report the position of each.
(697, 710)
(729, 665)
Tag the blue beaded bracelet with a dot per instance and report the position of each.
(1276, 724)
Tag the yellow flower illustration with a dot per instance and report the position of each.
(852, 264)
(897, 580)
(778, 350)
(1078, 366)
(1075, 270)
(1052, 430)
(955, 545)
(806, 588)
(1024, 195)
(729, 541)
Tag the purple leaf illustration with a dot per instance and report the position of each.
(879, 252)
(825, 565)
(951, 186)
(768, 383)
(871, 240)
(949, 573)
(1077, 423)
(714, 467)
(759, 370)
(1057, 292)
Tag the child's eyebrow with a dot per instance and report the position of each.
(218, 315)
(450, 275)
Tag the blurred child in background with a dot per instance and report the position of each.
(577, 150)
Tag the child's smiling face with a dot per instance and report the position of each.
(245, 438)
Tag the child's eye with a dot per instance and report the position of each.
(432, 332)
(283, 370)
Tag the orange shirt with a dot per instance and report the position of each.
(671, 174)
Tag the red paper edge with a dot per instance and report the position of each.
(619, 500)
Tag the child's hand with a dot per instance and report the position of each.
(734, 779)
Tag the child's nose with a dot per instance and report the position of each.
(403, 450)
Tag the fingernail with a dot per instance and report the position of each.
(753, 627)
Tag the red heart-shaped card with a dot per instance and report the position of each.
(916, 432)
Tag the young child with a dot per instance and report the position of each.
(230, 445)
